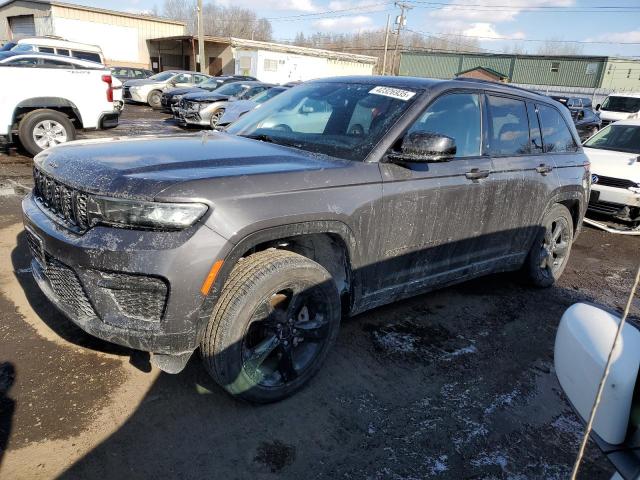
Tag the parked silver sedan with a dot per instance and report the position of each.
(235, 109)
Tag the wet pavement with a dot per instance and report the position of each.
(458, 383)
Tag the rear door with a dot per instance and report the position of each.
(521, 179)
(433, 212)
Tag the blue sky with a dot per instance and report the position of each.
(496, 23)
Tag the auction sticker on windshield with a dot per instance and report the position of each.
(398, 93)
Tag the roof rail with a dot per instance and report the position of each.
(490, 82)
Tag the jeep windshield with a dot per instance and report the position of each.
(620, 138)
(615, 103)
(344, 120)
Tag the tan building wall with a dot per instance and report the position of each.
(71, 22)
(621, 75)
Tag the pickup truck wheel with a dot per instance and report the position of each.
(271, 330)
(550, 252)
(41, 129)
(154, 99)
(215, 117)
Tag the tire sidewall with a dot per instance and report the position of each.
(228, 338)
(155, 94)
(29, 121)
(537, 275)
(219, 112)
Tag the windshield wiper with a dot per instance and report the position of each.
(262, 137)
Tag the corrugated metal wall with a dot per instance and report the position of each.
(578, 72)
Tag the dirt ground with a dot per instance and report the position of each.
(455, 384)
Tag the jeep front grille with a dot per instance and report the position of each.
(66, 203)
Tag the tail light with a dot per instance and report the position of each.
(108, 80)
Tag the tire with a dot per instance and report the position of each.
(154, 99)
(215, 118)
(252, 343)
(44, 128)
(550, 252)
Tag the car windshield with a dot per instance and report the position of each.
(7, 46)
(344, 120)
(621, 104)
(23, 47)
(230, 89)
(212, 82)
(266, 95)
(621, 138)
(162, 76)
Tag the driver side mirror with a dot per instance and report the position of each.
(305, 110)
(597, 107)
(427, 147)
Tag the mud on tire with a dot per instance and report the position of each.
(272, 327)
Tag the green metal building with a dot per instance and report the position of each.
(562, 71)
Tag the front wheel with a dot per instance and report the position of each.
(550, 252)
(155, 99)
(215, 117)
(273, 326)
(44, 128)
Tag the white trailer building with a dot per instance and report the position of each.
(267, 61)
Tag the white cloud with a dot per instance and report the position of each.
(344, 24)
(307, 6)
(364, 6)
(623, 37)
(487, 32)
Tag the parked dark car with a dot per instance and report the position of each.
(252, 245)
(585, 118)
(130, 73)
(234, 110)
(206, 108)
(172, 97)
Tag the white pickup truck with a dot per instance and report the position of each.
(45, 105)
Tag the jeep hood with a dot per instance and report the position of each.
(145, 166)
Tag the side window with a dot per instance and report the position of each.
(183, 78)
(45, 49)
(509, 126)
(50, 63)
(63, 51)
(93, 57)
(23, 62)
(456, 115)
(534, 131)
(556, 136)
(199, 78)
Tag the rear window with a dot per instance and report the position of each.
(509, 126)
(93, 57)
(621, 104)
(556, 136)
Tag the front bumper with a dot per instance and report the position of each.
(134, 95)
(77, 273)
(618, 203)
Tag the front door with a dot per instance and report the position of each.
(434, 212)
(215, 66)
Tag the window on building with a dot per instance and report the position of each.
(270, 65)
(556, 136)
(591, 69)
(555, 67)
(455, 115)
(509, 126)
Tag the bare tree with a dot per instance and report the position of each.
(554, 46)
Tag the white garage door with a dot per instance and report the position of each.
(22, 26)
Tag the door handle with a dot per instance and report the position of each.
(544, 169)
(476, 174)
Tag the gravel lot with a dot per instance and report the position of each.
(455, 384)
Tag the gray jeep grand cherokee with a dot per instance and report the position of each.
(335, 197)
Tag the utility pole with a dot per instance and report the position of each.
(401, 21)
(201, 38)
(386, 45)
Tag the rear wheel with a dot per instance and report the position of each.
(154, 99)
(550, 252)
(41, 129)
(272, 327)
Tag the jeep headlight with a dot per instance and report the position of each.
(136, 213)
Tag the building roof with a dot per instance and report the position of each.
(491, 71)
(99, 10)
(278, 47)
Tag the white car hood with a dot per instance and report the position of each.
(611, 116)
(609, 163)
